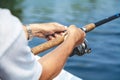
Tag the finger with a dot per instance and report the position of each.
(48, 37)
(84, 34)
(57, 24)
(60, 28)
(61, 33)
(72, 26)
(56, 35)
(51, 37)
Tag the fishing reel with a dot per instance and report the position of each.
(81, 49)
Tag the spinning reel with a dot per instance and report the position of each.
(81, 49)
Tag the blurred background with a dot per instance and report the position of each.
(104, 61)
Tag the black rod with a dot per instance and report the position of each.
(107, 20)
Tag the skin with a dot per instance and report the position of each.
(41, 30)
(54, 61)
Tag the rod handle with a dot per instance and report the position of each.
(52, 43)
(47, 45)
(89, 27)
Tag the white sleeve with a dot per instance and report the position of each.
(16, 60)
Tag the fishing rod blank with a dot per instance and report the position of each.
(91, 26)
(107, 20)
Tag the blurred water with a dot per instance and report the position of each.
(104, 61)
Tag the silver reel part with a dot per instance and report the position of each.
(81, 49)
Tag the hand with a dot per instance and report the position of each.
(46, 29)
(75, 35)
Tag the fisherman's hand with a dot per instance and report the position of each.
(47, 30)
(75, 35)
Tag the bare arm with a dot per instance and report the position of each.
(25, 30)
(54, 61)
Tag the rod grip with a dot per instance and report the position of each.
(52, 43)
(89, 27)
(47, 45)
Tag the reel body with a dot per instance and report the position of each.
(81, 49)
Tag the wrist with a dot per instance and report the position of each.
(36, 30)
(69, 46)
(29, 32)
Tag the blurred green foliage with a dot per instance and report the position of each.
(13, 6)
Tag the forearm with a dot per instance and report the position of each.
(25, 31)
(54, 61)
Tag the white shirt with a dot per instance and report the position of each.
(16, 60)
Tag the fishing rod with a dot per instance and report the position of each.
(79, 50)
(91, 26)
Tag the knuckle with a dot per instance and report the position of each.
(55, 23)
(73, 26)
